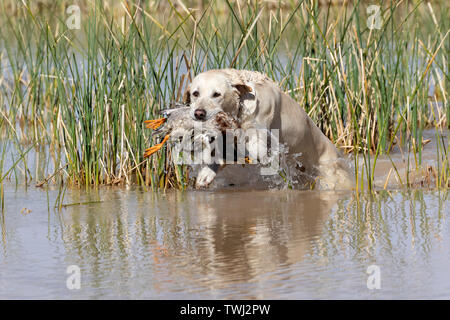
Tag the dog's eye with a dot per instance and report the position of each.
(195, 94)
(216, 94)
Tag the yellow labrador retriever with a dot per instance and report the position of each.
(257, 102)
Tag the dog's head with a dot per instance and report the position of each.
(213, 91)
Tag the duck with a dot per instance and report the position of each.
(178, 124)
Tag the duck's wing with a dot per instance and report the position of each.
(179, 111)
(180, 108)
(173, 118)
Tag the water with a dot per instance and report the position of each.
(230, 242)
(225, 244)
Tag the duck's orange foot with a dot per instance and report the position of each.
(148, 152)
(155, 123)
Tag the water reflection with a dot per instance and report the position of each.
(209, 239)
(235, 244)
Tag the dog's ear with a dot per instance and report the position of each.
(242, 89)
(248, 101)
(187, 95)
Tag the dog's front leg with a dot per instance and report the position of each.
(206, 175)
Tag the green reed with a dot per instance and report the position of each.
(86, 93)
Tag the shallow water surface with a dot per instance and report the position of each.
(225, 244)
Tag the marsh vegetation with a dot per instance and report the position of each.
(78, 98)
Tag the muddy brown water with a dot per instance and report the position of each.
(277, 244)
(227, 243)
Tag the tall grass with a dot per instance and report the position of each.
(86, 93)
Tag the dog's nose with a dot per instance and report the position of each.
(200, 114)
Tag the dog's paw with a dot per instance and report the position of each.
(205, 176)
